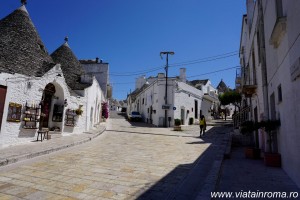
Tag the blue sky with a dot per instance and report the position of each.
(130, 34)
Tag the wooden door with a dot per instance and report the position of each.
(2, 101)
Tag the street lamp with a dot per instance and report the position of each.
(166, 89)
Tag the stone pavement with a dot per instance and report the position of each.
(136, 162)
(127, 162)
(35, 148)
(240, 174)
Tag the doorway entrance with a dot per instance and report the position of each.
(182, 115)
(2, 101)
(49, 91)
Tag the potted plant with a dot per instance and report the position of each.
(272, 158)
(177, 124)
(79, 111)
(247, 129)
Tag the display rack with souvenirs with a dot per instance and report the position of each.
(70, 117)
(31, 115)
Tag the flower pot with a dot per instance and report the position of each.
(272, 159)
(177, 128)
(252, 153)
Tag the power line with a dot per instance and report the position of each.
(221, 70)
(141, 71)
(135, 74)
(122, 83)
(201, 60)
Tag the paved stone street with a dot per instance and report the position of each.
(253, 176)
(128, 161)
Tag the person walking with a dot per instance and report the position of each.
(202, 124)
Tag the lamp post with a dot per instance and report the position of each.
(166, 89)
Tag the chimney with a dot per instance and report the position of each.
(182, 75)
(161, 75)
(140, 82)
(97, 59)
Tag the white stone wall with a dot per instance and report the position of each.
(94, 98)
(140, 81)
(153, 96)
(19, 91)
(249, 43)
(279, 62)
(180, 96)
(208, 88)
(184, 101)
(205, 108)
(101, 72)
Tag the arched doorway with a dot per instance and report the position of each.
(46, 101)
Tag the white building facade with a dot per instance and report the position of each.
(41, 91)
(183, 101)
(270, 59)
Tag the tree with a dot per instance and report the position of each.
(230, 97)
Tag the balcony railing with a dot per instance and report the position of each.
(240, 117)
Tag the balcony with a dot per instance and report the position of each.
(238, 80)
(249, 90)
(238, 88)
(240, 117)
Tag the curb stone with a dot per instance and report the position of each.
(213, 175)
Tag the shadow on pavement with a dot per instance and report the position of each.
(185, 181)
(144, 133)
(200, 142)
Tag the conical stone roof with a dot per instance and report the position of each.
(70, 66)
(222, 87)
(21, 48)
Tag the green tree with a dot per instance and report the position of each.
(231, 97)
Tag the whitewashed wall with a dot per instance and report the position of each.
(184, 99)
(18, 91)
(180, 96)
(249, 42)
(101, 72)
(279, 62)
(93, 98)
(153, 95)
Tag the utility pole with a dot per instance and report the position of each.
(166, 89)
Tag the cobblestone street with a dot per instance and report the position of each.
(128, 161)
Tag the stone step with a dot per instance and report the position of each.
(55, 134)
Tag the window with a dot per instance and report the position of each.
(279, 9)
(272, 107)
(143, 101)
(279, 93)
